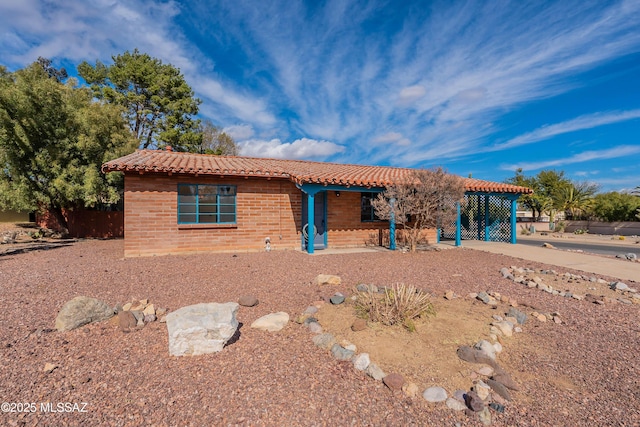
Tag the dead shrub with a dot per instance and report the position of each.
(399, 304)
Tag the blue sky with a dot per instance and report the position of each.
(479, 87)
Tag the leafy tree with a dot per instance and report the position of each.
(614, 206)
(53, 141)
(214, 141)
(425, 200)
(59, 74)
(159, 103)
(575, 199)
(537, 202)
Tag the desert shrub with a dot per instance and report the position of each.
(399, 304)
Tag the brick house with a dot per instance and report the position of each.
(183, 202)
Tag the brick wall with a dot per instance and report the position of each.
(265, 208)
(344, 224)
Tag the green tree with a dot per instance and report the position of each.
(214, 141)
(575, 199)
(159, 103)
(547, 188)
(53, 141)
(614, 206)
(425, 200)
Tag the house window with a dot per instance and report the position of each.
(206, 204)
(367, 212)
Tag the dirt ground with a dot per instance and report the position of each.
(426, 356)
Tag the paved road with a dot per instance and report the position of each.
(601, 248)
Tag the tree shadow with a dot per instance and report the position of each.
(34, 246)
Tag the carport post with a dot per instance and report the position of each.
(311, 208)
(514, 204)
(487, 229)
(392, 226)
(458, 225)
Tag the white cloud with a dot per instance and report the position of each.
(611, 153)
(410, 94)
(579, 123)
(239, 132)
(303, 148)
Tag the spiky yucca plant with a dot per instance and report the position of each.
(400, 304)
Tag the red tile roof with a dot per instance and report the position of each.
(298, 171)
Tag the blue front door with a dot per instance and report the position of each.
(320, 221)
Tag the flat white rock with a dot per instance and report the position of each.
(271, 322)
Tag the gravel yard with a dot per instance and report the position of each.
(582, 372)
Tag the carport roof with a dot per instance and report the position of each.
(299, 171)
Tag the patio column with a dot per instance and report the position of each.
(478, 216)
(392, 226)
(458, 225)
(310, 222)
(514, 203)
(487, 229)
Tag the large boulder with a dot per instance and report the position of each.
(201, 328)
(81, 311)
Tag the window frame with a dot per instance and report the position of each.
(370, 195)
(221, 191)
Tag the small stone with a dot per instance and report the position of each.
(362, 288)
(248, 301)
(482, 390)
(459, 395)
(485, 416)
(435, 394)
(126, 320)
(325, 340)
(327, 279)
(618, 286)
(272, 322)
(497, 407)
(455, 404)
(449, 295)
(375, 372)
(411, 389)
(548, 245)
(473, 401)
(487, 348)
(341, 353)
(149, 309)
(361, 362)
(351, 347)
(472, 295)
(521, 317)
(505, 327)
(500, 389)
(541, 318)
(394, 381)
(127, 306)
(161, 311)
(311, 310)
(49, 367)
(498, 347)
(557, 320)
(359, 325)
(336, 299)
(148, 318)
(504, 378)
(486, 371)
(315, 327)
(484, 297)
